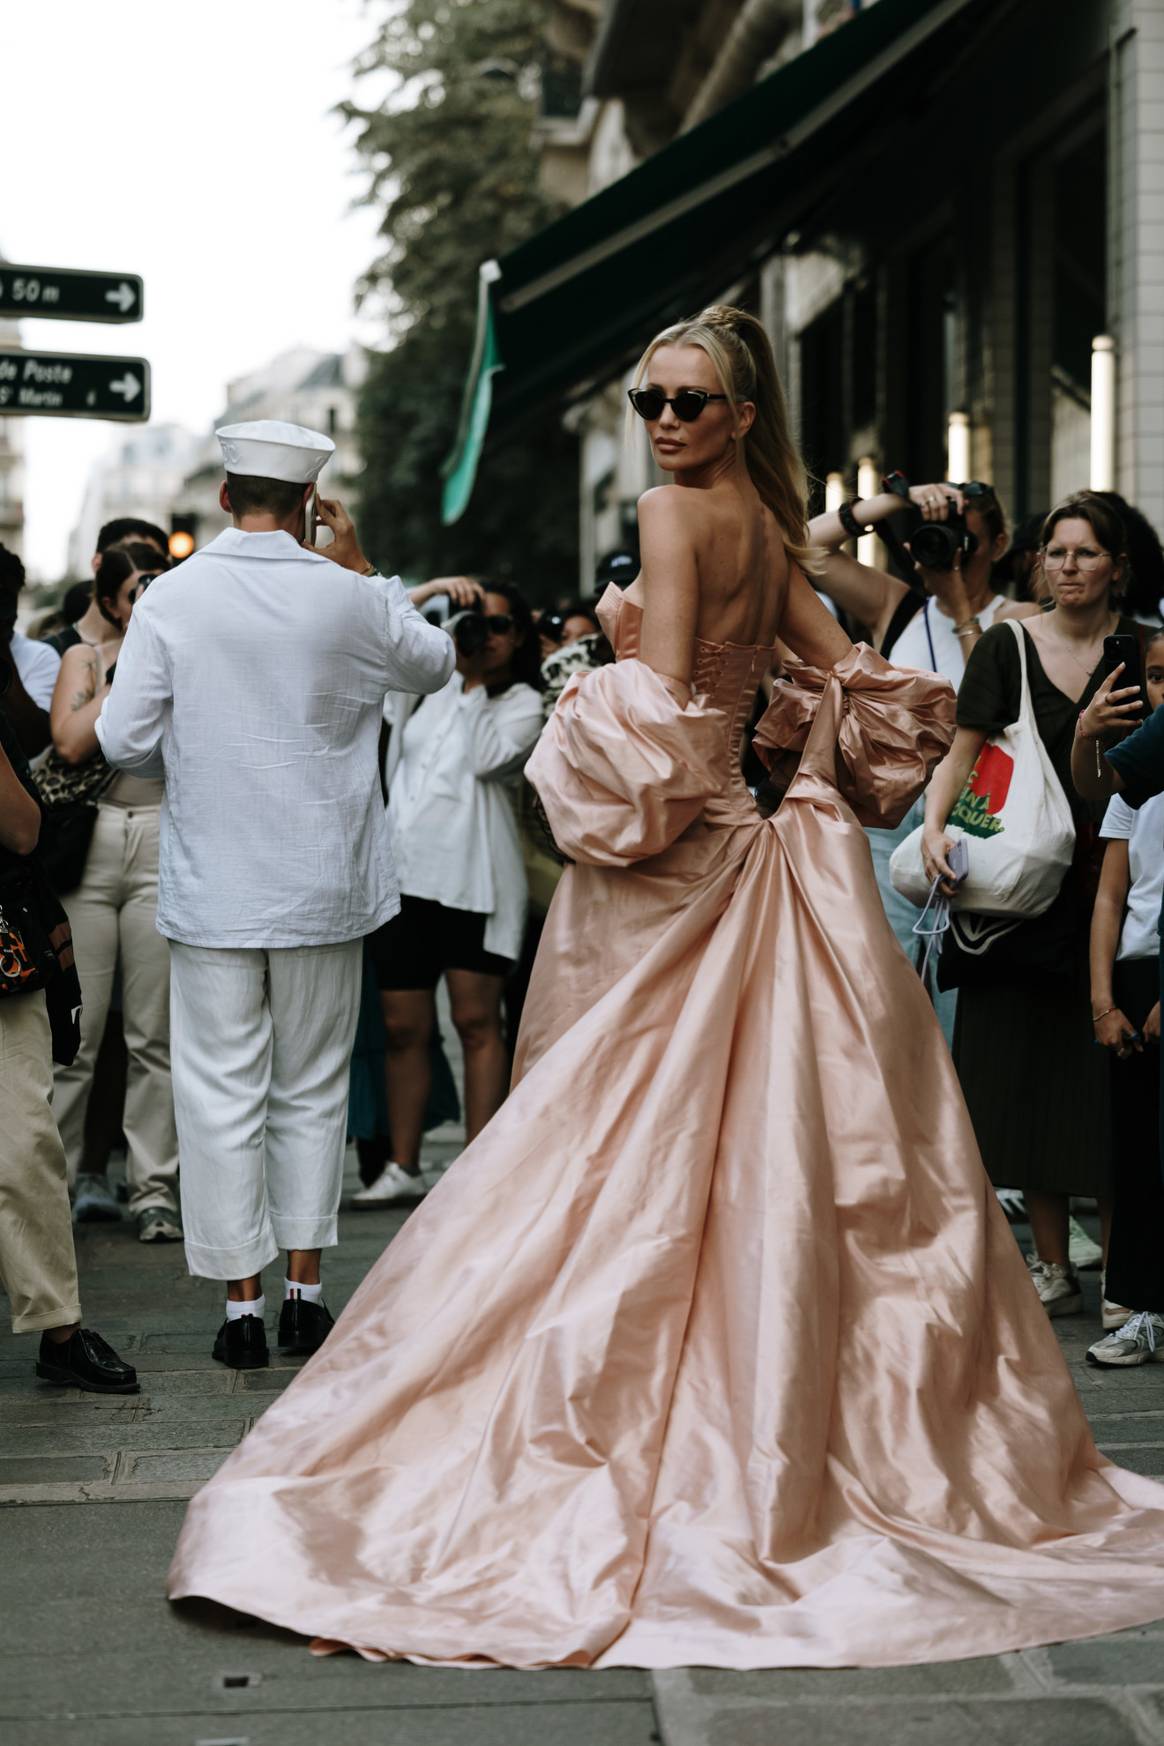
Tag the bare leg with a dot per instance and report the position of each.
(303, 1266)
(245, 1290)
(476, 1004)
(409, 1016)
(1048, 1215)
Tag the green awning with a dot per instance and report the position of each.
(579, 300)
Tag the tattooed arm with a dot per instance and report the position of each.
(81, 690)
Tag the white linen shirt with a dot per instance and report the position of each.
(454, 771)
(253, 678)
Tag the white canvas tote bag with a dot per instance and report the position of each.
(1017, 823)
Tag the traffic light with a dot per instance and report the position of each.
(183, 536)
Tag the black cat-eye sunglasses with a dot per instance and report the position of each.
(686, 405)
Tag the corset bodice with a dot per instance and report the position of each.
(725, 675)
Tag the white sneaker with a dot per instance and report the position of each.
(1058, 1287)
(1139, 1341)
(392, 1187)
(1085, 1254)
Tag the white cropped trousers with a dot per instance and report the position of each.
(260, 1046)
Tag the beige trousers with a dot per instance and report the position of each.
(38, 1266)
(112, 913)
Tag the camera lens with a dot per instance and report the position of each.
(935, 545)
(470, 632)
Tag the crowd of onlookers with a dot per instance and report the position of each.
(1054, 1022)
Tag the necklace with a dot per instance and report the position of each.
(1064, 644)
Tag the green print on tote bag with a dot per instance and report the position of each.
(984, 796)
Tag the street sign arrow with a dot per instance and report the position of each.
(64, 294)
(73, 385)
(124, 296)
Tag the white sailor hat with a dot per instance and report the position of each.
(269, 448)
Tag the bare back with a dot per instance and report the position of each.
(740, 560)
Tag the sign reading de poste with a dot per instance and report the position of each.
(73, 385)
(66, 294)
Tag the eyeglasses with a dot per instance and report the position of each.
(142, 584)
(686, 405)
(1086, 557)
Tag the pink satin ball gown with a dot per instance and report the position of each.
(715, 1348)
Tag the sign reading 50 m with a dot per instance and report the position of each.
(65, 294)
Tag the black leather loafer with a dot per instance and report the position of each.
(303, 1327)
(85, 1361)
(242, 1343)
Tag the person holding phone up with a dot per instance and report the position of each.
(1036, 1087)
(253, 680)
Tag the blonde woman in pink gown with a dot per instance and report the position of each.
(715, 1347)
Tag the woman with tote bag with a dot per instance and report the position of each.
(1034, 1082)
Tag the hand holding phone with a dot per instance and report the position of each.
(1123, 650)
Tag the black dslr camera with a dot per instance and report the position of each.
(934, 544)
(469, 631)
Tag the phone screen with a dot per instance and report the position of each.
(1124, 649)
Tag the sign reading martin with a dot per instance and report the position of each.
(73, 385)
(62, 294)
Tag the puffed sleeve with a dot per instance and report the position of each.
(625, 764)
(896, 725)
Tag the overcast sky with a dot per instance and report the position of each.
(189, 141)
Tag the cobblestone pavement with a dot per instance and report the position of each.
(93, 1491)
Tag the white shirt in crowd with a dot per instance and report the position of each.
(38, 666)
(912, 648)
(454, 771)
(1143, 831)
(253, 677)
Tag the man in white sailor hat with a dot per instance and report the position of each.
(253, 678)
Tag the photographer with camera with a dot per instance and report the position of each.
(454, 766)
(958, 534)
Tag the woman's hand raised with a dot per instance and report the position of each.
(1111, 711)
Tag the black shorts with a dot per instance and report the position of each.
(417, 946)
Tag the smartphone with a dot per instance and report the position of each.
(959, 859)
(1125, 649)
(311, 519)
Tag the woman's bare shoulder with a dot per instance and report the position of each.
(665, 506)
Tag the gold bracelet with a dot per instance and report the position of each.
(967, 627)
(1102, 1015)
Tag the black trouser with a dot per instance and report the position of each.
(1135, 1264)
